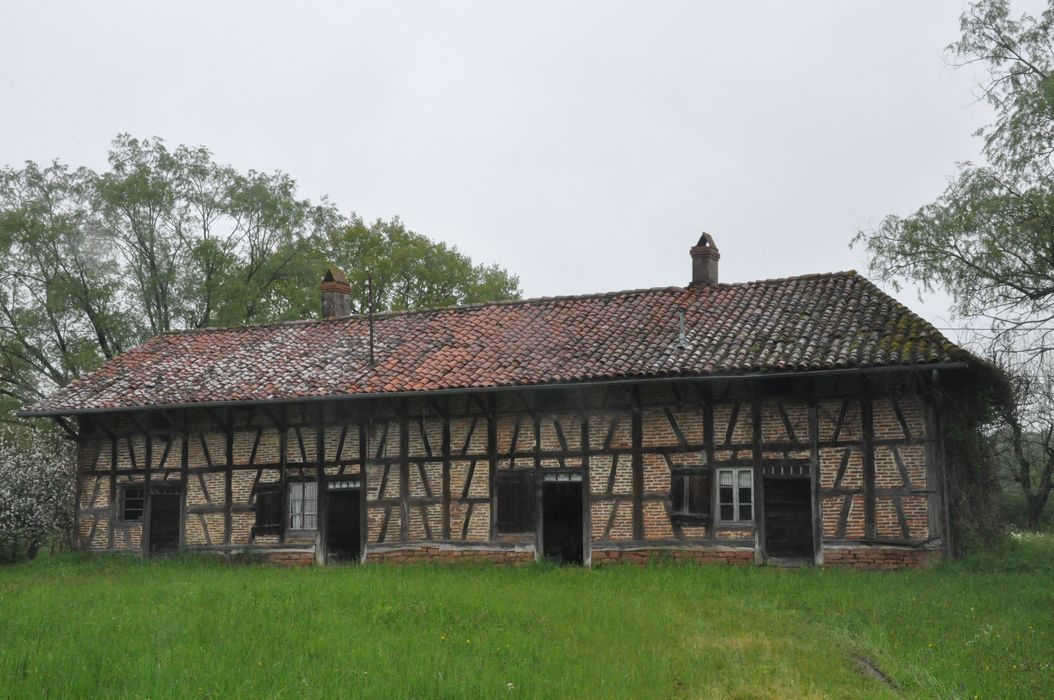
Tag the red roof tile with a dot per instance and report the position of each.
(817, 322)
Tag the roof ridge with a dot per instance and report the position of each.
(503, 302)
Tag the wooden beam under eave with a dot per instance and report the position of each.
(637, 433)
(759, 481)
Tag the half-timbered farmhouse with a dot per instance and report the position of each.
(782, 420)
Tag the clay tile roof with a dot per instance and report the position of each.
(797, 324)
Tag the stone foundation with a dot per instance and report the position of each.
(879, 557)
(287, 558)
(717, 555)
(450, 555)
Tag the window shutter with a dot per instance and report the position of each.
(677, 494)
(515, 501)
(268, 509)
(699, 494)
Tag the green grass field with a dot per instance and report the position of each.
(72, 626)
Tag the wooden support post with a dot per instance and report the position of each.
(446, 467)
(587, 512)
(322, 504)
(283, 449)
(184, 474)
(638, 465)
(148, 460)
(363, 419)
(113, 490)
(404, 472)
(228, 484)
(814, 469)
(759, 479)
(79, 451)
(946, 527)
(867, 447)
(539, 502)
(492, 464)
(706, 394)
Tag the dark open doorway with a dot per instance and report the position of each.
(788, 519)
(562, 521)
(164, 521)
(343, 531)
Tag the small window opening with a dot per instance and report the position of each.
(133, 501)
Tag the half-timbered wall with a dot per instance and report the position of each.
(427, 466)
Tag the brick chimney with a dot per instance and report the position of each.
(336, 294)
(704, 261)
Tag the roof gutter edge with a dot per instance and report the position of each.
(506, 387)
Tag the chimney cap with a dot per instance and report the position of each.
(706, 247)
(334, 274)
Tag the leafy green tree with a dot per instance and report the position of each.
(988, 239)
(92, 264)
(408, 270)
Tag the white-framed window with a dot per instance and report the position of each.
(303, 505)
(735, 495)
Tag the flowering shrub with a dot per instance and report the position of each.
(36, 490)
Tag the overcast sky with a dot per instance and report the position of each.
(583, 145)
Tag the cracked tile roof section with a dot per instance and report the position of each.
(796, 324)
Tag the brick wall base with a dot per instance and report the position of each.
(860, 557)
(287, 558)
(879, 557)
(451, 555)
(715, 555)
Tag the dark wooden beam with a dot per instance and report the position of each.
(867, 446)
(759, 480)
(445, 450)
(228, 476)
(140, 427)
(219, 422)
(404, 471)
(71, 432)
(256, 446)
(492, 464)
(364, 453)
(706, 395)
(638, 465)
(184, 465)
(282, 423)
(77, 494)
(113, 490)
(814, 465)
(587, 512)
(148, 464)
(536, 422)
(322, 507)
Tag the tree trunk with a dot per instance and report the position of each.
(1035, 504)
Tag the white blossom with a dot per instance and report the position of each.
(36, 489)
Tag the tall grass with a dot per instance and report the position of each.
(72, 626)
